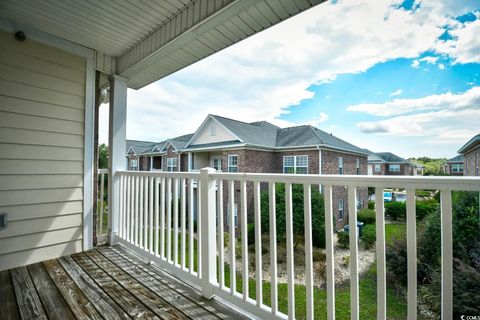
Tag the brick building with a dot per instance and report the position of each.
(454, 166)
(471, 156)
(258, 147)
(387, 163)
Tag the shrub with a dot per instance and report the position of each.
(396, 258)
(396, 210)
(366, 216)
(319, 256)
(251, 233)
(346, 261)
(423, 193)
(371, 205)
(368, 236)
(320, 270)
(318, 213)
(424, 208)
(343, 239)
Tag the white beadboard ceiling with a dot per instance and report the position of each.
(150, 39)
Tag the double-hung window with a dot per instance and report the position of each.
(457, 167)
(134, 164)
(340, 165)
(394, 168)
(232, 163)
(377, 168)
(217, 164)
(172, 164)
(357, 169)
(295, 164)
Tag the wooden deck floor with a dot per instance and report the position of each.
(105, 283)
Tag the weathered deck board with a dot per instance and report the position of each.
(129, 303)
(28, 302)
(150, 280)
(8, 305)
(154, 302)
(104, 304)
(76, 300)
(53, 303)
(104, 283)
(213, 306)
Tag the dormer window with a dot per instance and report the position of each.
(213, 130)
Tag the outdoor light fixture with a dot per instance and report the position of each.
(20, 36)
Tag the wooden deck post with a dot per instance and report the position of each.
(116, 151)
(208, 235)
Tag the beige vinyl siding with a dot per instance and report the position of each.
(221, 134)
(42, 101)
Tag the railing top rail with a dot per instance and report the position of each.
(161, 174)
(406, 182)
(415, 182)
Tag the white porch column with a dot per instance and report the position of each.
(116, 151)
(208, 236)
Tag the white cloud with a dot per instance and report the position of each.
(464, 47)
(396, 93)
(263, 76)
(437, 119)
(467, 100)
(321, 118)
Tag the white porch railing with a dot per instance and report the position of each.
(157, 216)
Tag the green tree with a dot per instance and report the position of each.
(103, 156)
(318, 213)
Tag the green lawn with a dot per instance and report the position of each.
(396, 304)
(394, 231)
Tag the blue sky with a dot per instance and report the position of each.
(385, 75)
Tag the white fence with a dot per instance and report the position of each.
(157, 219)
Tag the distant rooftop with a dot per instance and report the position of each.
(259, 134)
(458, 158)
(472, 143)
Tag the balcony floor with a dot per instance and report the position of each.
(105, 283)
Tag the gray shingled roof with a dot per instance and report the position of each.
(139, 146)
(180, 142)
(458, 158)
(266, 135)
(260, 133)
(390, 157)
(470, 144)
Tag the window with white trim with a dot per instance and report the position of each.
(394, 168)
(172, 164)
(133, 164)
(232, 163)
(377, 168)
(217, 164)
(295, 164)
(457, 167)
(340, 165)
(357, 169)
(341, 211)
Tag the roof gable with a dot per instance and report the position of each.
(211, 131)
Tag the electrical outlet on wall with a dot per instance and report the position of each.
(3, 220)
